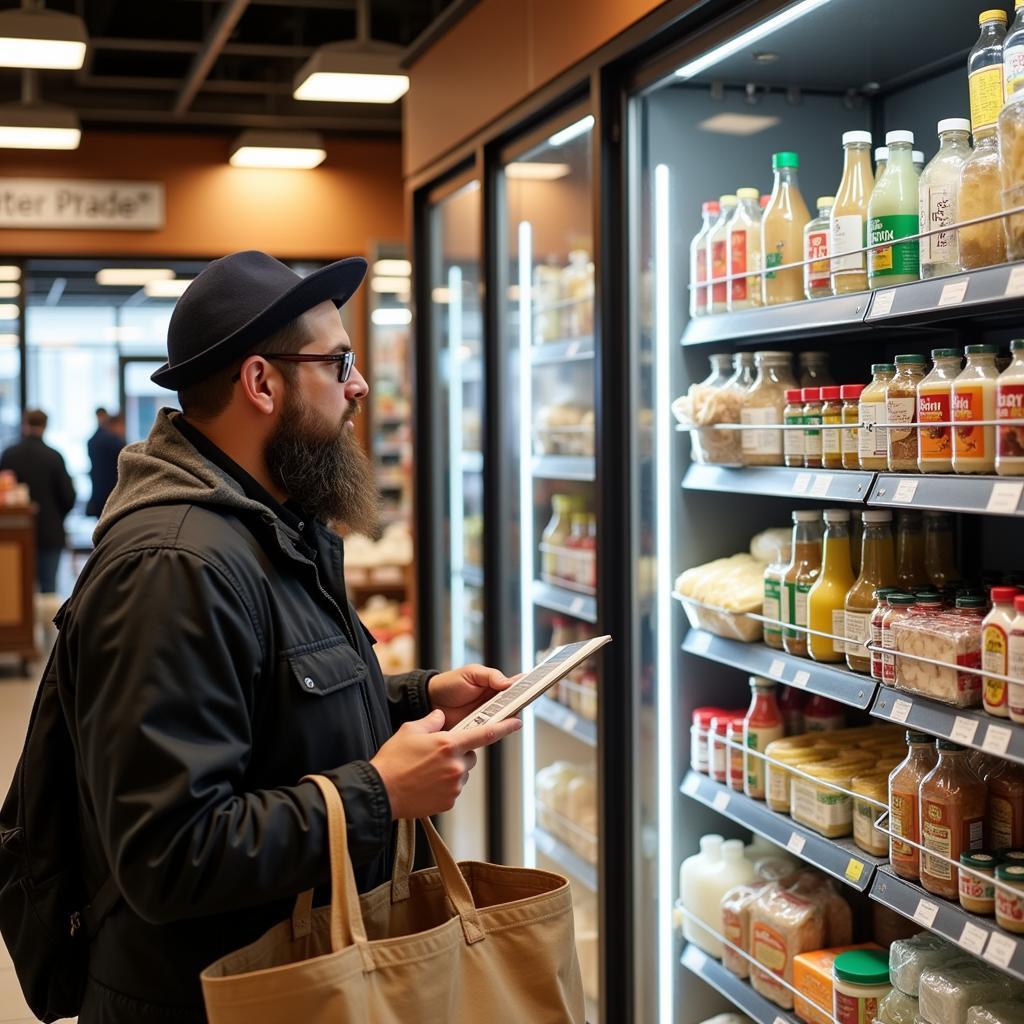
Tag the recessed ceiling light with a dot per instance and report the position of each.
(132, 276)
(389, 285)
(42, 39)
(166, 289)
(9, 289)
(534, 171)
(738, 124)
(10, 273)
(38, 126)
(278, 150)
(392, 268)
(352, 73)
(391, 317)
(8, 311)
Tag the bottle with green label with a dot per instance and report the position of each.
(893, 214)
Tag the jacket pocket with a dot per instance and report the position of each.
(319, 670)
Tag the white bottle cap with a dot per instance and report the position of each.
(862, 137)
(917, 156)
(877, 517)
(882, 153)
(806, 516)
(837, 515)
(954, 124)
(748, 193)
(727, 200)
(899, 136)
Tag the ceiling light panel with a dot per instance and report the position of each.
(392, 268)
(167, 289)
(278, 150)
(127, 277)
(534, 171)
(50, 40)
(352, 73)
(10, 273)
(739, 124)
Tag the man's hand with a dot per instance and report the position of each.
(424, 769)
(463, 690)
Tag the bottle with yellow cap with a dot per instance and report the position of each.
(1013, 53)
(985, 71)
(817, 277)
(718, 255)
(744, 253)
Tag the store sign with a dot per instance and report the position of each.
(95, 205)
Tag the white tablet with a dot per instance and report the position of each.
(560, 662)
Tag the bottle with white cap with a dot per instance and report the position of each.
(938, 193)
(892, 215)
(718, 255)
(881, 159)
(917, 159)
(848, 218)
(744, 251)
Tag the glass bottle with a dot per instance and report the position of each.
(718, 255)
(981, 194)
(699, 298)
(901, 407)
(1010, 413)
(762, 725)
(742, 372)
(573, 568)
(782, 230)
(874, 444)
(764, 404)
(812, 427)
(1013, 53)
(911, 574)
(917, 159)
(893, 214)
(877, 569)
(744, 252)
(555, 534)
(974, 399)
(817, 280)
(1006, 806)
(801, 573)
(772, 605)
(985, 71)
(848, 218)
(831, 419)
(826, 602)
(938, 191)
(904, 795)
(814, 371)
(792, 702)
(850, 444)
(881, 161)
(940, 549)
(793, 416)
(935, 405)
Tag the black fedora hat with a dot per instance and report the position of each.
(237, 301)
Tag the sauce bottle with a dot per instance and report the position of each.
(793, 415)
(1010, 413)
(823, 715)
(1006, 806)
(762, 725)
(782, 231)
(910, 571)
(555, 534)
(877, 569)
(817, 281)
(1015, 661)
(699, 299)
(812, 427)
(954, 802)
(893, 214)
(974, 398)
(850, 444)
(802, 571)
(826, 602)
(792, 703)
(874, 444)
(848, 219)
(901, 407)
(764, 403)
(904, 789)
(744, 251)
(831, 419)
(882, 595)
(985, 71)
(935, 405)
(938, 191)
(718, 255)
(899, 607)
(771, 609)
(939, 549)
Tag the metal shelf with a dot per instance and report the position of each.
(559, 599)
(848, 688)
(781, 481)
(740, 993)
(972, 728)
(840, 858)
(550, 353)
(993, 495)
(554, 849)
(563, 467)
(568, 721)
(979, 935)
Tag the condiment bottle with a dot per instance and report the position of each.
(910, 571)
(792, 703)
(764, 403)
(1015, 661)
(1013, 53)
(700, 727)
(935, 405)
(718, 749)
(823, 714)
(803, 569)
(555, 534)
(1010, 897)
(985, 71)
(875, 625)
(901, 407)
(892, 215)
(831, 419)
(812, 427)
(881, 161)
(817, 281)
(939, 549)
(826, 602)
(762, 724)
(699, 299)
(718, 255)
(904, 802)
(877, 569)
(977, 891)
(848, 219)
(782, 232)
(793, 415)
(814, 372)
(772, 606)
(744, 252)
(938, 191)
(1010, 411)
(1006, 806)
(954, 802)
(850, 443)
(734, 771)
(874, 444)
(899, 607)
(974, 399)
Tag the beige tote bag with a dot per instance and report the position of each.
(457, 943)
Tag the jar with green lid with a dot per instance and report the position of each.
(900, 408)
(812, 427)
(860, 981)
(1010, 856)
(850, 443)
(831, 421)
(977, 892)
(935, 406)
(793, 415)
(872, 442)
(1010, 897)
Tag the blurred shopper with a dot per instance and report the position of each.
(42, 468)
(104, 447)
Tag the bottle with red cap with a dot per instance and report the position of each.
(699, 259)
(793, 415)
(1015, 661)
(812, 427)
(699, 730)
(822, 714)
(849, 445)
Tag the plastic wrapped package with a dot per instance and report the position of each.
(702, 407)
(782, 925)
(736, 907)
(944, 637)
(732, 586)
(838, 916)
(909, 957)
(1008, 1012)
(898, 1008)
(768, 544)
(946, 993)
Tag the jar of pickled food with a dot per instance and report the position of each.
(831, 421)
(763, 405)
(793, 416)
(899, 607)
(873, 441)
(900, 408)
(850, 442)
(812, 427)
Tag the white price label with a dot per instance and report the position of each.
(779, 1020)
(570, 723)
(573, 348)
(692, 784)
(1005, 497)
(695, 959)
(963, 730)
(953, 293)
(973, 938)
(997, 739)
(905, 491)
(802, 678)
(883, 303)
(1015, 284)
(577, 606)
(925, 913)
(900, 710)
(796, 843)
(821, 485)
(1000, 949)
(721, 802)
(800, 483)
(702, 642)
(776, 668)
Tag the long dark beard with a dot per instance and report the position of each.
(322, 468)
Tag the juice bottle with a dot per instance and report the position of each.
(826, 602)
(744, 251)
(939, 190)
(831, 420)
(985, 71)
(850, 444)
(939, 549)
(874, 443)
(817, 282)
(904, 790)
(718, 255)
(893, 214)
(910, 571)
(901, 407)
(812, 427)
(699, 300)
(848, 219)
(782, 233)
(881, 161)
(762, 725)
(974, 398)
(803, 568)
(935, 405)
(877, 569)
(1010, 413)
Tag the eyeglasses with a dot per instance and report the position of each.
(346, 361)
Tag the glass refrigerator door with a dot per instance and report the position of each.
(549, 342)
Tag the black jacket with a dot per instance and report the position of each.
(207, 660)
(104, 447)
(41, 467)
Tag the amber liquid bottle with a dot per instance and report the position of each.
(877, 569)
(910, 570)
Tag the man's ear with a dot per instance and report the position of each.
(261, 385)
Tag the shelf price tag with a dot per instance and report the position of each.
(1005, 497)
(973, 938)
(721, 802)
(570, 722)
(692, 784)
(1000, 950)
(577, 606)
(963, 730)
(905, 491)
(953, 293)
(779, 1020)
(701, 642)
(695, 959)
(854, 870)
(800, 483)
(776, 668)
(900, 710)
(925, 913)
(883, 303)
(1015, 283)
(796, 843)
(802, 678)
(821, 485)
(997, 739)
